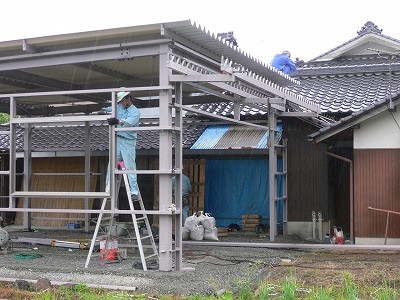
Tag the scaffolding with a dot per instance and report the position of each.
(174, 65)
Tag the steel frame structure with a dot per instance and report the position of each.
(182, 66)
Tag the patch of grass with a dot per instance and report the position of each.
(350, 288)
(286, 289)
(321, 294)
(386, 292)
(289, 288)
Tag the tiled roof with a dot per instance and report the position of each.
(352, 76)
(345, 93)
(354, 118)
(226, 109)
(258, 111)
(72, 138)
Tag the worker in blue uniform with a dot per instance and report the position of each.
(127, 116)
(283, 63)
(186, 189)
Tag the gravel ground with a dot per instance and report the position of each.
(207, 269)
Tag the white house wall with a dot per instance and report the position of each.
(379, 132)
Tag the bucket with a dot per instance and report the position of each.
(108, 251)
(327, 239)
(338, 237)
(118, 230)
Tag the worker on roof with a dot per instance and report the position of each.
(127, 116)
(283, 63)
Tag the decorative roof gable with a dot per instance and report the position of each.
(369, 27)
(354, 75)
(369, 37)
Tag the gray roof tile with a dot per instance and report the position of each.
(72, 138)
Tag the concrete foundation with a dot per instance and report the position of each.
(376, 241)
(304, 229)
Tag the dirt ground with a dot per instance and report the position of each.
(326, 268)
(212, 267)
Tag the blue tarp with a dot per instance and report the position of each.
(236, 187)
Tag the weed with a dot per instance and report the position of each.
(350, 289)
(289, 288)
(385, 292)
(265, 290)
(321, 294)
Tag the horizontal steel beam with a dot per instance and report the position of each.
(202, 112)
(93, 211)
(81, 55)
(93, 91)
(60, 194)
(330, 247)
(202, 78)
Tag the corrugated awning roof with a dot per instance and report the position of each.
(217, 137)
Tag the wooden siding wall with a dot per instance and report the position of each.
(61, 183)
(307, 175)
(339, 187)
(377, 184)
(4, 183)
(195, 169)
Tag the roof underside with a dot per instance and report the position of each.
(114, 58)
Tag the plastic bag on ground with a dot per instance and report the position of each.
(185, 233)
(207, 221)
(211, 234)
(197, 233)
(191, 222)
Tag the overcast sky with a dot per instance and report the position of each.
(262, 28)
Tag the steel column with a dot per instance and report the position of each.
(272, 172)
(27, 221)
(178, 178)
(165, 163)
(87, 173)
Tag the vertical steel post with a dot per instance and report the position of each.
(113, 156)
(87, 173)
(27, 221)
(13, 151)
(272, 173)
(165, 164)
(178, 178)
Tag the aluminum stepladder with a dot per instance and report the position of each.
(138, 236)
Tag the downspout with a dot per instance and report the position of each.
(351, 191)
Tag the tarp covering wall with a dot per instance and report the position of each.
(236, 187)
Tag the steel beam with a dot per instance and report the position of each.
(81, 55)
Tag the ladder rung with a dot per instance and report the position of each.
(136, 221)
(150, 256)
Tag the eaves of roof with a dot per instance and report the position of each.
(355, 118)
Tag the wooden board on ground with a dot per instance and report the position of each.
(222, 231)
